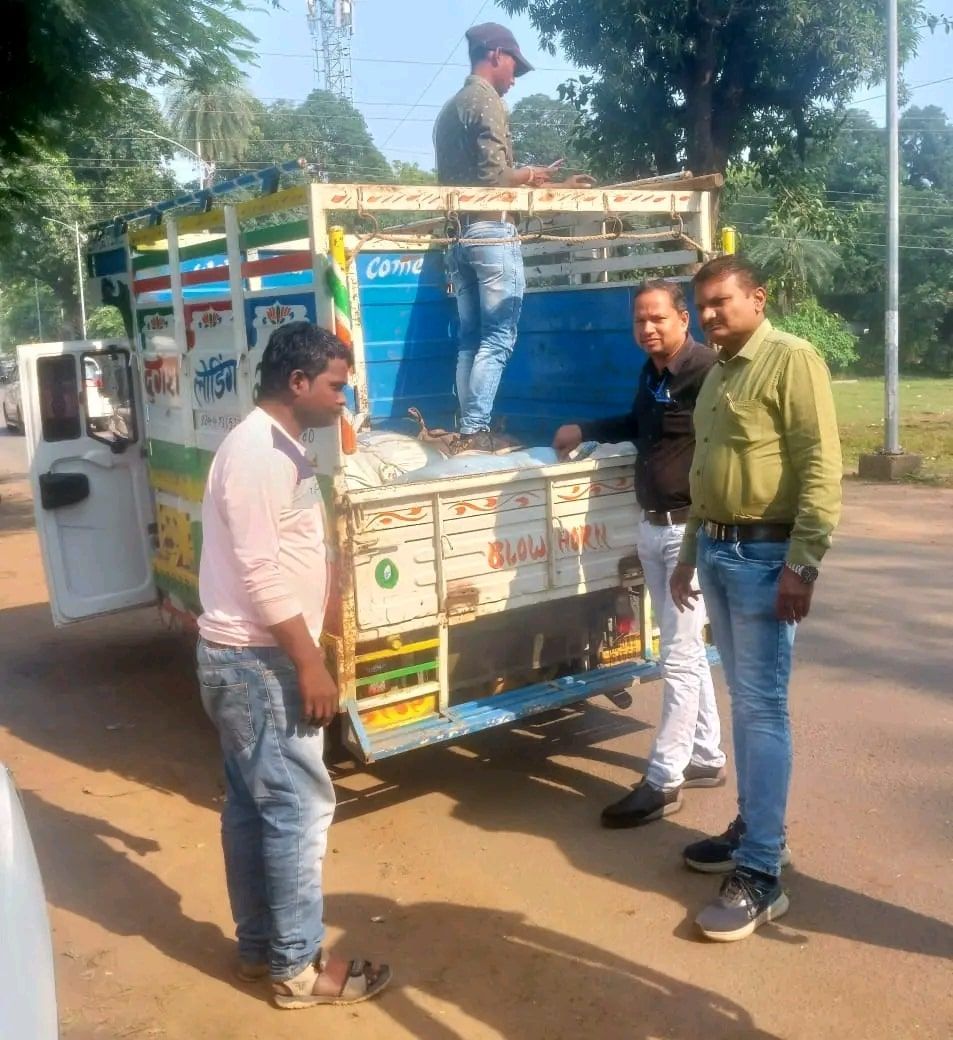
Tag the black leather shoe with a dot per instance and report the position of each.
(704, 776)
(642, 805)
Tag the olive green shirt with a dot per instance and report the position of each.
(471, 136)
(767, 445)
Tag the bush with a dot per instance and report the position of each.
(826, 330)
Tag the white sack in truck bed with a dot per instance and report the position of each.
(384, 457)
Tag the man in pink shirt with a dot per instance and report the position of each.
(263, 582)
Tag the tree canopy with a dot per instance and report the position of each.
(542, 129)
(695, 83)
(65, 61)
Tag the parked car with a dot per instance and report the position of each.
(12, 408)
(27, 984)
(99, 407)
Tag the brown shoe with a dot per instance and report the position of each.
(248, 971)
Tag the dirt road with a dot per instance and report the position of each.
(480, 872)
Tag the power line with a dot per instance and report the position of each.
(412, 61)
(433, 79)
(912, 86)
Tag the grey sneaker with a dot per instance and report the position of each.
(748, 899)
(703, 776)
(716, 855)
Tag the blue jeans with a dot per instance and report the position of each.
(489, 283)
(740, 585)
(279, 804)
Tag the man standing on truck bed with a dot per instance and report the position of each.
(473, 148)
(263, 582)
(687, 751)
(766, 493)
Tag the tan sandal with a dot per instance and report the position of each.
(361, 983)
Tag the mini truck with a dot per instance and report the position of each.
(461, 601)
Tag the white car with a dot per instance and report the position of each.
(28, 999)
(99, 408)
(12, 408)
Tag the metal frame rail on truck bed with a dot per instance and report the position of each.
(466, 599)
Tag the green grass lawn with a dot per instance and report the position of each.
(926, 422)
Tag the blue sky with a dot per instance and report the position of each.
(431, 32)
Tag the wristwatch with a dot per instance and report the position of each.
(804, 571)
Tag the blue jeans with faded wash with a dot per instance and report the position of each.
(489, 282)
(739, 581)
(279, 804)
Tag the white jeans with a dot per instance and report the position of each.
(689, 730)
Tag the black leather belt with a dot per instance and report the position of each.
(659, 519)
(753, 532)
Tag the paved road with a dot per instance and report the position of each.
(480, 872)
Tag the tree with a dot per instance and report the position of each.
(698, 82)
(827, 331)
(852, 161)
(542, 129)
(63, 62)
(215, 119)
(324, 129)
(104, 169)
(799, 245)
(411, 173)
(926, 147)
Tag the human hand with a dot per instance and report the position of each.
(683, 595)
(318, 692)
(540, 175)
(794, 597)
(567, 439)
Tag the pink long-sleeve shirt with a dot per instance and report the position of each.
(264, 558)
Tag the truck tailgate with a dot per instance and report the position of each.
(467, 546)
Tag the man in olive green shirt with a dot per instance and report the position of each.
(473, 148)
(765, 490)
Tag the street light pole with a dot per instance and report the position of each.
(81, 289)
(892, 316)
(206, 168)
(891, 462)
(39, 319)
(80, 279)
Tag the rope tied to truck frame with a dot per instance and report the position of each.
(453, 232)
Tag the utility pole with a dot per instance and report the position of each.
(331, 24)
(80, 287)
(891, 462)
(39, 319)
(892, 323)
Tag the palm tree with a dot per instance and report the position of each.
(796, 263)
(216, 120)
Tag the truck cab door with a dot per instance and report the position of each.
(82, 411)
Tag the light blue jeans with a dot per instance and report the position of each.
(279, 804)
(489, 282)
(740, 583)
(689, 730)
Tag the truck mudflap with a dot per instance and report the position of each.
(498, 710)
